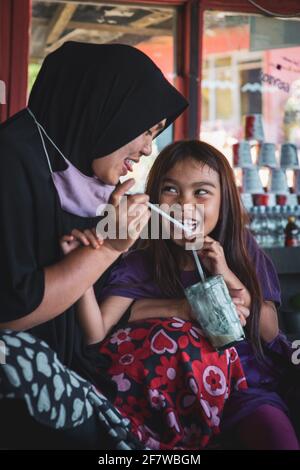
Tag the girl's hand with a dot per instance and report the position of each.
(88, 237)
(242, 311)
(213, 257)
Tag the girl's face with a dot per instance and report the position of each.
(109, 168)
(191, 182)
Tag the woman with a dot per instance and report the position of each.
(93, 110)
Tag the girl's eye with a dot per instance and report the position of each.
(201, 192)
(169, 189)
(149, 132)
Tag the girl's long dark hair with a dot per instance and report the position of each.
(230, 230)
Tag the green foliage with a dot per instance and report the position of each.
(33, 70)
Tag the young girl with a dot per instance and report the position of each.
(170, 381)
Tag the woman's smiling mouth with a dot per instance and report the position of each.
(128, 164)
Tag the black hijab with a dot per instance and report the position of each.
(92, 99)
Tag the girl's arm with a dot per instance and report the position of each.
(268, 325)
(90, 317)
(97, 320)
(180, 308)
(147, 308)
(213, 257)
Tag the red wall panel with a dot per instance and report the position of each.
(14, 49)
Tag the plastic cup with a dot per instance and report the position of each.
(214, 310)
(260, 199)
(242, 155)
(281, 199)
(277, 182)
(254, 127)
(289, 156)
(251, 181)
(267, 155)
(296, 182)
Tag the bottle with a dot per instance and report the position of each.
(263, 226)
(280, 224)
(297, 221)
(255, 224)
(291, 232)
(271, 227)
(289, 211)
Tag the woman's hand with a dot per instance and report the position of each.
(88, 237)
(128, 216)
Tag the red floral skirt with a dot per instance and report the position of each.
(172, 385)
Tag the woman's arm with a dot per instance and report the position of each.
(66, 281)
(96, 320)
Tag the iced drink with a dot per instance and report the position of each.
(213, 308)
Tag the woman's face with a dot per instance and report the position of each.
(109, 168)
(190, 182)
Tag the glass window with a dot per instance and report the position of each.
(251, 64)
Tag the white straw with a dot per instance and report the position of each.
(166, 216)
(180, 225)
(171, 219)
(198, 264)
(185, 229)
